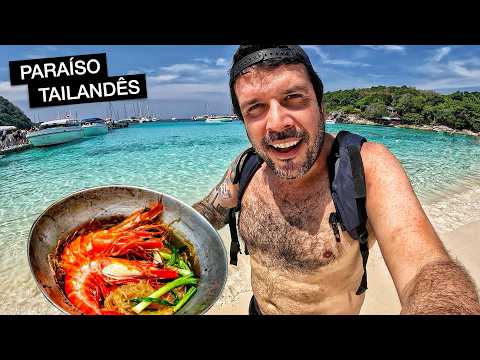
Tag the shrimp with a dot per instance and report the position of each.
(119, 240)
(87, 283)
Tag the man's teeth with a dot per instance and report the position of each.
(286, 145)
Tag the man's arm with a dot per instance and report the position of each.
(427, 280)
(216, 205)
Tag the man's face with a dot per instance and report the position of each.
(282, 117)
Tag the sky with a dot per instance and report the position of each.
(185, 80)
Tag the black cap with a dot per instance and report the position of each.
(278, 53)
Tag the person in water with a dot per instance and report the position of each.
(298, 264)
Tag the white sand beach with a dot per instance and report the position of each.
(456, 218)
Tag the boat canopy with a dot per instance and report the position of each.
(58, 123)
(7, 128)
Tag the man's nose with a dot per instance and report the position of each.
(278, 118)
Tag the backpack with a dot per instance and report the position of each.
(347, 186)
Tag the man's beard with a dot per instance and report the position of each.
(289, 170)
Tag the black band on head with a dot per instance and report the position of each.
(278, 53)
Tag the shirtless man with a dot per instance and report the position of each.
(297, 265)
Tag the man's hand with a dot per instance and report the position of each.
(426, 278)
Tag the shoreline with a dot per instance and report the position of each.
(16, 148)
(350, 120)
(356, 120)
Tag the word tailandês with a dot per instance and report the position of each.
(121, 87)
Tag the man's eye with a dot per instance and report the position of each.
(293, 96)
(254, 107)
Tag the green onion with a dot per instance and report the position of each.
(152, 300)
(186, 280)
(173, 258)
(185, 298)
(165, 255)
(175, 296)
(181, 263)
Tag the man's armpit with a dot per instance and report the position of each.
(216, 205)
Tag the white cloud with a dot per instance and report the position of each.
(326, 59)
(18, 92)
(204, 60)
(221, 62)
(449, 83)
(454, 74)
(164, 77)
(179, 68)
(34, 56)
(389, 48)
(187, 91)
(194, 73)
(140, 71)
(441, 53)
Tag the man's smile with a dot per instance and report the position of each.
(285, 149)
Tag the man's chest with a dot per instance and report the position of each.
(290, 231)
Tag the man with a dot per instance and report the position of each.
(298, 265)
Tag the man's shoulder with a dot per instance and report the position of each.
(373, 152)
(380, 163)
(238, 162)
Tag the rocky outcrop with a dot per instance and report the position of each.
(10, 140)
(342, 118)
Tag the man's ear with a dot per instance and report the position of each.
(323, 112)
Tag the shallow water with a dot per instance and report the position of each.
(186, 160)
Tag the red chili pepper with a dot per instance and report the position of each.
(165, 273)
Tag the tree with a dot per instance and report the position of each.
(12, 115)
(375, 110)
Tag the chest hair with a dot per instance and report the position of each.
(290, 230)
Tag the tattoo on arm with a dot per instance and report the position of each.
(216, 205)
(442, 288)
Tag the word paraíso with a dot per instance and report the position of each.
(73, 67)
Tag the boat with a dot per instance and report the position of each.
(199, 117)
(330, 121)
(218, 119)
(56, 132)
(94, 127)
(121, 123)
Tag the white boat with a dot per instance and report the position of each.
(213, 121)
(56, 132)
(94, 127)
(218, 119)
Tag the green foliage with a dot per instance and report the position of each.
(12, 115)
(460, 110)
(375, 110)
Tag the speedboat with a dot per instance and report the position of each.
(56, 132)
(94, 127)
(218, 119)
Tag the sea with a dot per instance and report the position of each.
(187, 159)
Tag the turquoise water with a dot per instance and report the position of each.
(184, 159)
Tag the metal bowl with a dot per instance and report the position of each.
(102, 202)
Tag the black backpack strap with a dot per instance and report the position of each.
(246, 167)
(347, 184)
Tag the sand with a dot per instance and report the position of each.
(381, 297)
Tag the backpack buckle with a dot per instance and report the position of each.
(363, 237)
